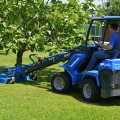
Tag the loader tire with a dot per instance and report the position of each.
(90, 91)
(61, 82)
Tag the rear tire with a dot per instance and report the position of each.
(61, 82)
(90, 91)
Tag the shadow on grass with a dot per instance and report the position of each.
(43, 78)
(113, 101)
(44, 81)
(76, 94)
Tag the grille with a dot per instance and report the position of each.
(109, 79)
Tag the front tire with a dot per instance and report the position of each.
(61, 82)
(90, 91)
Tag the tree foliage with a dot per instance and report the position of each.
(64, 27)
(112, 7)
(29, 24)
(20, 25)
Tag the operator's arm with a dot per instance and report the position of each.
(107, 47)
(112, 42)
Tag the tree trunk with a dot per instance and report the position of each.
(19, 57)
(20, 54)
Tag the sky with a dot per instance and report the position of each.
(97, 2)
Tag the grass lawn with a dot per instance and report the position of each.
(34, 100)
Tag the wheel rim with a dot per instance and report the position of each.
(59, 83)
(87, 91)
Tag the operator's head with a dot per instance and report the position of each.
(114, 26)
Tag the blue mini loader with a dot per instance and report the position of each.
(104, 80)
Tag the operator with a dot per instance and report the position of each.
(97, 55)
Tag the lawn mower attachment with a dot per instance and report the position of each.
(10, 75)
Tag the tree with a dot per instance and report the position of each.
(20, 26)
(28, 24)
(112, 7)
(64, 28)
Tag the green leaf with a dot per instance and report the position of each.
(14, 50)
(1, 47)
(7, 51)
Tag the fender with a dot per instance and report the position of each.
(74, 78)
(72, 67)
(93, 73)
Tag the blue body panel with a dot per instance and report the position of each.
(55, 55)
(113, 64)
(93, 73)
(73, 65)
(3, 78)
(111, 17)
(16, 72)
(75, 62)
(19, 75)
